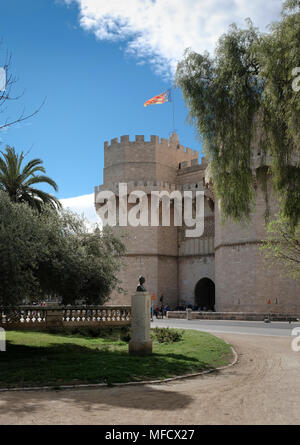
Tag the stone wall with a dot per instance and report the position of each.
(192, 269)
(226, 253)
(244, 280)
(150, 251)
(250, 316)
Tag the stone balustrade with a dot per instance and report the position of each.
(42, 318)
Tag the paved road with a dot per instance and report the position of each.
(262, 388)
(277, 329)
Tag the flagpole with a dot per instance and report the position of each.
(171, 94)
(173, 108)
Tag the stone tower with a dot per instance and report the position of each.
(151, 251)
(244, 282)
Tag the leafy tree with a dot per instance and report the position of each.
(248, 83)
(79, 265)
(19, 181)
(52, 253)
(21, 245)
(282, 246)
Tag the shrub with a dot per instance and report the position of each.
(113, 333)
(125, 334)
(166, 335)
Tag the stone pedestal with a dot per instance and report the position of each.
(140, 343)
(189, 314)
(54, 318)
(2, 340)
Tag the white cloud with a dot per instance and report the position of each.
(84, 206)
(160, 30)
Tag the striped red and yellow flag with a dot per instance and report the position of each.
(160, 99)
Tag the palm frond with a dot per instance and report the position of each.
(31, 168)
(39, 179)
(17, 182)
(46, 198)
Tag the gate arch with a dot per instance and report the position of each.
(205, 294)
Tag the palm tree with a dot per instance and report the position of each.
(17, 180)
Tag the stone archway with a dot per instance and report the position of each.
(205, 294)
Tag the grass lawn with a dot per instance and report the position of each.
(34, 358)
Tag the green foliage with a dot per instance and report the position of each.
(34, 358)
(20, 244)
(166, 335)
(246, 85)
(51, 253)
(282, 247)
(78, 264)
(18, 181)
(279, 55)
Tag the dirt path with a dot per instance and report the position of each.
(263, 388)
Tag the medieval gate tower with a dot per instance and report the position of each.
(222, 269)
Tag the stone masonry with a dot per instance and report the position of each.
(223, 267)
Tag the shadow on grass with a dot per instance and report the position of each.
(49, 404)
(59, 364)
(70, 363)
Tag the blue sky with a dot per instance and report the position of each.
(96, 62)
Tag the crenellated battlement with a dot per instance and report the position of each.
(171, 143)
(154, 159)
(192, 165)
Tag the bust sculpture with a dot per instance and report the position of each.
(140, 287)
